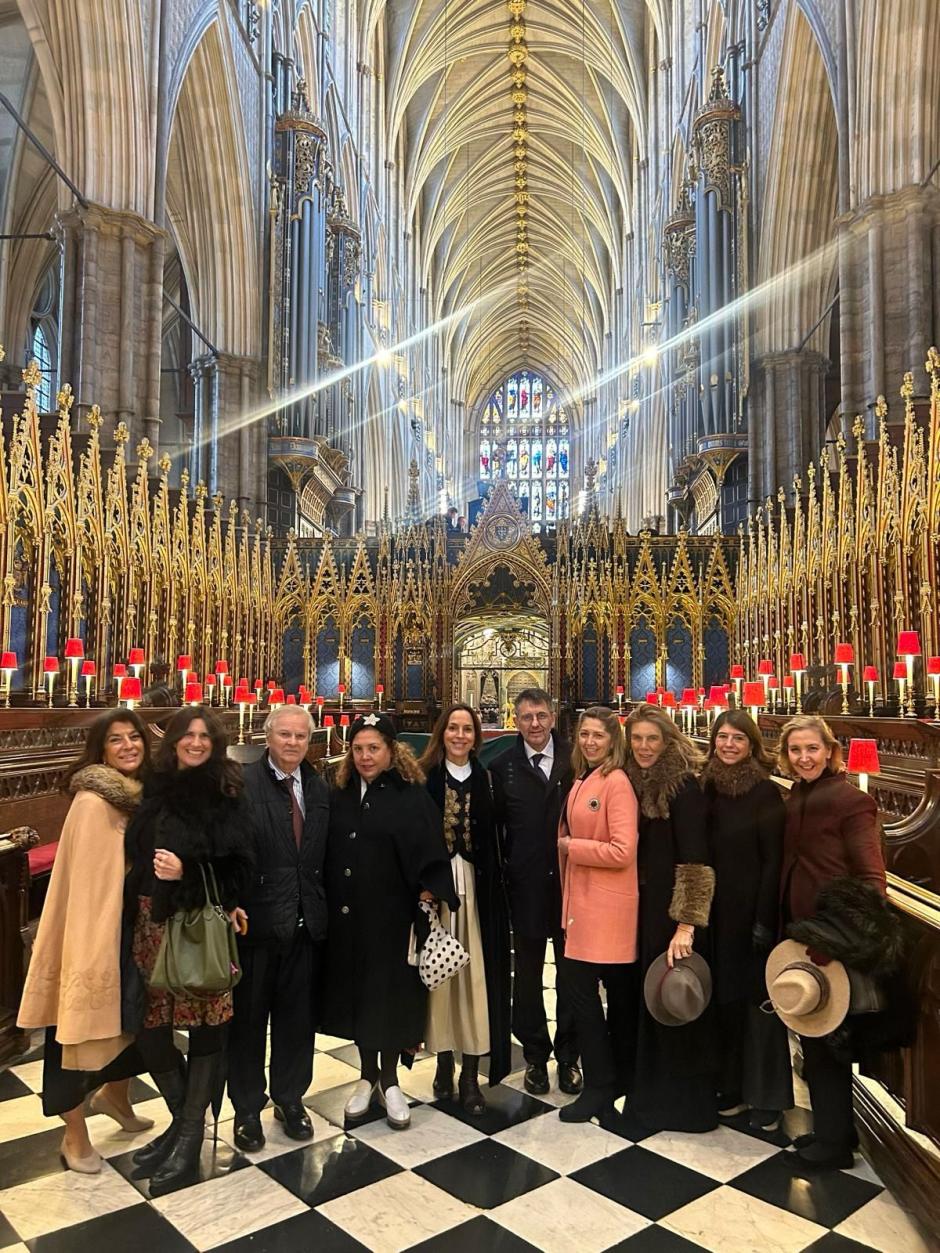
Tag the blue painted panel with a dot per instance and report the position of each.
(717, 654)
(589, 665)
(642, 659)
(678, 656)
(362, 656)
(293, 656)
(328, 659)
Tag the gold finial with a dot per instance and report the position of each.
(201, 491)
(64, 400)
(907, 387)
(781, 496)
(933, 360)
(218, 500)
(858, 426)
(840, 442)
(3, 355)
(165, 465)
(94, 419)
(32, 375)
(144, 450)
(881, 408)
(184, 480)
(121, 434)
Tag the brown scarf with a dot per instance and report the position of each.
(736, 780)
(656, 786)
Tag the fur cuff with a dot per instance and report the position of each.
(692, 895)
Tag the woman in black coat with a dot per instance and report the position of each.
(191, 821)
(385, 852)
(470, 1012)
(746, 818)
(673, 1086)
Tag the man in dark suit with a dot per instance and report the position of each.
(288, 809)
(530, 783)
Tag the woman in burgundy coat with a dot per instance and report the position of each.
(832, 832)
(597, 840)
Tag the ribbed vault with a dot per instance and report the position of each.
(455, 127)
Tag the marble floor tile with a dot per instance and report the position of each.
(728, 1221)
(863, 1169)
(720, 1154)
(645, 1182)
(832, 1243)
(655, 1239)
(217, 1160)
(214, 1213)
(480, 1233)
(64, 1199)
(322, 1172)
(486, 1174)
(431, 1135)
(8, 1234)
(21, 1161)
(516, 1062)
(12, 1086)
(561, 1146)
(397, 1212)
(304, 1233)
(108, 1138)
(505, 1106)
(824, 1197)
(327, 1042)
(29, 1073)
(276, 1143)
(564, 1216)
(418, 1082)
(552, 1096)
(137, 1227)
(22, 1116)
(883, 1224)
(330, 1072)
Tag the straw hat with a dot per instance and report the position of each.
(677, 995)
(812, 1000)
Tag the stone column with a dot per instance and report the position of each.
(242, 447)
(112, 315)
(788, 418)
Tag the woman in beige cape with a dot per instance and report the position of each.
(73, 986)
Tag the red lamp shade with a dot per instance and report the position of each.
(900, 670)
(328, 720)
(50, 665)
(341, 687)
(292, 699)
(908, 644)
(933, 665)
(863, 757)
(277, 696)
(701, 692)
(319, 700)
(716, 696)
(210, 680)
(668, 700)
(619, 689)
(380, 687)
(241, 695)
(752, 695)
(737, 672)
(652, 698)
(184, 662)
(258, 685)
(130, 688)
(8, 662)
(773, 682)
(788, 681)
(89, 669)
(765, 667)
(870, 675)
(227, 680)
(844, 655)
(797, 662)
(74, 649)
(135, 657)
(120, 670)
(344, 720)
(193, 693)
(272, 684)
(689, 696)
(221, 667)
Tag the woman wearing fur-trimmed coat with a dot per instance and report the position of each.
(673, 1086)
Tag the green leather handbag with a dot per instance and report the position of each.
(198, 955)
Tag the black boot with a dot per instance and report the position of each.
(444, 1076)
(592, 1103)
(182, 1162)
(171, 1085)
(471, 1098)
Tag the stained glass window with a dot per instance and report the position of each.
(524, 437)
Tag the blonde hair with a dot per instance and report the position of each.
(692, 759)
(809, 722)
(403, 760)
(617, 753)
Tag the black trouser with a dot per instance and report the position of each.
(278, 981)
(829, 1079)
(529, 1023)
(607, 1044)
(755, 1056)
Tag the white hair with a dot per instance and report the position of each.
(296, 711)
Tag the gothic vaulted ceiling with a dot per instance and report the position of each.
(517, 126)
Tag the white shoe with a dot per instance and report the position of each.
(397, 1111)
(358, 1104)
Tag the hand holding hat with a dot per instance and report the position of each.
(677, 994)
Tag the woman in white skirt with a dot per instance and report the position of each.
(469, 1014)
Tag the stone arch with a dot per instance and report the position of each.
(209, 203)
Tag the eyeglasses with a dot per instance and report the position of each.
(528, 718)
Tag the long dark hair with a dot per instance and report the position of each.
(165, 761)
(434, 754)
(742, 721)
(93, 752)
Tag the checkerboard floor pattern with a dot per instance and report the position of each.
(515, 1179)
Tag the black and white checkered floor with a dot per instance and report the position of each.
(515, 1179)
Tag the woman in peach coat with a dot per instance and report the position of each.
(597, 851)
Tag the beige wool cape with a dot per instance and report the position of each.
(74, 977)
